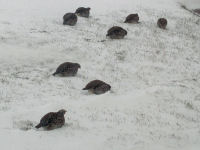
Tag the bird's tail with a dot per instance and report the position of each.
(38, 126)
(85, 88)
(54, 73)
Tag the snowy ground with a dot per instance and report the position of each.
(155, 76)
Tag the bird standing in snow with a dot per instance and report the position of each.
(97, 87)
(132, 18)
(162, 23)
(67, 69)
(70, 19)
(52, 120)
(83, 12)
(116, 32)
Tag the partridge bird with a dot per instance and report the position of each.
(162, 23)
(116, 32)
(67, 69)
(70, 19)
(83, 12)
(97, 87)
(52, 120)
(132, 18)
(197, 11)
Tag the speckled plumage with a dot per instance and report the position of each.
(97, 87)
(70, 19)
(83, 12)
(116, 32)
(162, 23)
(52, 120)
(67, 69)
(132, 18)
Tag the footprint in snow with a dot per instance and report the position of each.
(24, 125)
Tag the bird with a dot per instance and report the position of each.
(116, 32)
(52, 120)
(197, 10)
(70, 19)
(83, 12)
(67, 69)
(132, 18)
(162, 23)
(97, 87)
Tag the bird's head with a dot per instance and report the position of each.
(125, 32)
(62, 111)
(109, 86)
(78, 65)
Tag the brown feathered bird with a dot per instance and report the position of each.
(83, 12)
(67, 69)
(116, 32)
(70, 19)
(132, 18)
(162, 23)
(52, 120)
(97, 87)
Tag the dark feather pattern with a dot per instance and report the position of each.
(116, 32)
(132, 18)
(97, 87)
(162, 23)
(52, 120)
(70, 19)
(67, 69)
(83, 12)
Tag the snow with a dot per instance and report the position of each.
(192, 4)
(155, 76)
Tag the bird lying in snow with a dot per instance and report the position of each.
(116, 32)
(83, 12)
(67, 69)
(162, 23)
(52, 120)
(70, 19)
(132, 18)
(97, 87)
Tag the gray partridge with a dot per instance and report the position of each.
(132, 18)
(116, 32)
(52, 120)
(197, 11)
(67, 69)
(70, 19)
(97, 87)
(162, 23)
(83, 12)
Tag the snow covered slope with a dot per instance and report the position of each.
(154, 74)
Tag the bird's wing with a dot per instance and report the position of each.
(47, 119)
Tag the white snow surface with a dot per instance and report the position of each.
(154, 103)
